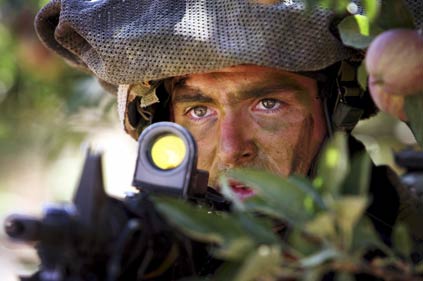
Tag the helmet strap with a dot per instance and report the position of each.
(349, 104)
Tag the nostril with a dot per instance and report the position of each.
(246, 155)
(239, 156)
(248, 152)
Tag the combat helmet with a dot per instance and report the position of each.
(131, 46)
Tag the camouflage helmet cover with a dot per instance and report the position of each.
(132, 42)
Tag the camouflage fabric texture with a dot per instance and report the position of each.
(136, 42)
(133, 41)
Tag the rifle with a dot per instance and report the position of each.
(98, 237)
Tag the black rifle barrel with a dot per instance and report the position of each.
(23, 228)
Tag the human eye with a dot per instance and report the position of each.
(268, 104)
(199, 112)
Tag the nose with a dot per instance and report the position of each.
(237, 146)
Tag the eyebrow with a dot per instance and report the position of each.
(263, 90)
(194, 94)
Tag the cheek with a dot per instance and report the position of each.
(206, 152)
(290, 146)
(305, 146)
(283, 123)
(320, 125)
(205, 136)
(206, 143)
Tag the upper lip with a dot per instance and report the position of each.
(236, 184)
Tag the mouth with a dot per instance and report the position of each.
(242, 191)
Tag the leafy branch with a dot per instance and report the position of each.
(297, 228)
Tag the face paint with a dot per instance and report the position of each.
(298, 163)
(251, 116)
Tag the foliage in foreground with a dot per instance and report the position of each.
(323, 221)
(326, 229)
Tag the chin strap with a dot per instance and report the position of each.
(349, 105)
(343, 111)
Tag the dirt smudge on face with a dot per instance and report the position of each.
(302, 148)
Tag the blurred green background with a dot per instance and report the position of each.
(50, 113)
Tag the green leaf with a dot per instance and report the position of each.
(42, 3)
(197, 222)
(394, 14)
(365, 237)
(258, 229)
(402, 241)
(302, 244)
(348, 211)
(8, 62)
(227, 271)
(322, 226)
(236, 233)
(263, 262)
(356, 32)
(314, 203)
(319, 258)
(339, 6)
(413, 110)
(362, 75)
(358, 180)
(260, 205)
(333, 165)
(314, 273)
(282, 197)
(234, 248)
(371, 8)
(201, 224)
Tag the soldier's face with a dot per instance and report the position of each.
(250, 116)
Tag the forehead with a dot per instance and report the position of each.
(237, 80)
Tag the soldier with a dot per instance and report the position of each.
(257, 85)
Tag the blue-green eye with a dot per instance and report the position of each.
(199, 111)
(269, 103)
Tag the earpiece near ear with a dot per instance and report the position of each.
(350, 104)
(346, 117)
